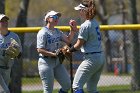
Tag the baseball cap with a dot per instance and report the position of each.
(80, 6)
(3, 16)
(52, 13)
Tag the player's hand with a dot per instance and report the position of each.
(73, 25)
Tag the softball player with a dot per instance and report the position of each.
(49, 39)
(89, 40)
(7, 52)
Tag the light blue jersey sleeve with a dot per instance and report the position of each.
(41, 39)
(83, 33)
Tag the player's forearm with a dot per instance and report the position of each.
(77, 45)
(70, 36)
(46, 53)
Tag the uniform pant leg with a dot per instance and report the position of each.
(93, 81)
(81, 76)
(62, 77)
(7, 76)
(47, 76)
(4, 81)
(86, 69)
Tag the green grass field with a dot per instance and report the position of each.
(109, 89)
(105, 89)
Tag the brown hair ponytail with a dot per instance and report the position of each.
(90, 9)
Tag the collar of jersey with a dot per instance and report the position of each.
(49, 29)
(46, 27)
(7, 34)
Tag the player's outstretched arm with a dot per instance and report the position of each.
(73, 30)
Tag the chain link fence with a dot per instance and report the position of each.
(118, 47)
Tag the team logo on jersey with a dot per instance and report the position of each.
(48, 36)
(53, 40)
(1, 41)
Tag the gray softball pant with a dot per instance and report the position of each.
(4, 80)
(89, 72)
(50, 68)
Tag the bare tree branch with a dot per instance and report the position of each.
(2, 6)
(17, 67)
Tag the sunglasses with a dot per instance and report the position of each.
(55, 17)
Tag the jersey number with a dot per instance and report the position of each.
(98, 33)
(57, 45)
